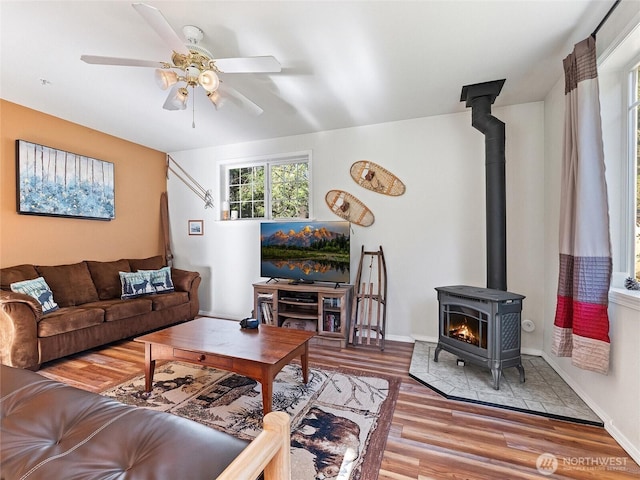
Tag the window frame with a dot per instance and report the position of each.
(268, 161)
(629, 150)
(633, 205)
(615, 62)
(618, 294)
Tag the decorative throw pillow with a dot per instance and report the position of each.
(38, 289)
(135, 284)
(160, 279)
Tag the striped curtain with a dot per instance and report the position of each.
(581, 326)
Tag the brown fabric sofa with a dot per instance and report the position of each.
(51, 430)
(91, 312)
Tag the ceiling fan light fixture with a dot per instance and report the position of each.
(166, 78)
(216, 99)
(209, 80)
(179, 100)
(191, 65)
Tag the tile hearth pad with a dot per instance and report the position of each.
(543, 393)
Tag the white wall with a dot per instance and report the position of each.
(433, 235)
(614, 397)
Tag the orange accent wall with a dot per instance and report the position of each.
(139, 180)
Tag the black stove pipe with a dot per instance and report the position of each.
(479, 97)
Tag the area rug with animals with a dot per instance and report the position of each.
(339, 420)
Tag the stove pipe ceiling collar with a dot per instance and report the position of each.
(480, 97)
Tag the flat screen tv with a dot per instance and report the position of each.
(305, 252)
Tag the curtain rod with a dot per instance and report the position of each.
(613, 7)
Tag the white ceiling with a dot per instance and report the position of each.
(343, 63)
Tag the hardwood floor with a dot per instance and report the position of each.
(431, 437)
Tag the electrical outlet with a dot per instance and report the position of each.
(528, 325)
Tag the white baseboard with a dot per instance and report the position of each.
(203, 313)
(628, 446)
(423, 338)
(400, 338)
(535, 352)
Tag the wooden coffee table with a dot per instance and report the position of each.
(255, 353)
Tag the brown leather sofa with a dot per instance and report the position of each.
(91, 311)
(51, 430)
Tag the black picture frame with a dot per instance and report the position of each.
(57, 183)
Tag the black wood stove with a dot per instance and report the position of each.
(482, 325)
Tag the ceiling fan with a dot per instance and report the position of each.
(191, 65)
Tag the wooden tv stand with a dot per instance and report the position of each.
(322, 307)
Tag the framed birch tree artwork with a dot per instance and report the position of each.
(56, 183)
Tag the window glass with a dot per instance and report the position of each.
(274, 188)
(289, 190)
(246, 191)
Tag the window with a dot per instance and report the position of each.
(619, 75)
(269, 188)
(246, 191)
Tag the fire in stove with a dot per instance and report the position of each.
(464, 333)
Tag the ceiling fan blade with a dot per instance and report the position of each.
(266, 64)
(125, 62)
(156, 20)
(240, 99)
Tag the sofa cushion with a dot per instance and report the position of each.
(106, 277)
(121, 309)
(52, 430)
(71, 284)
(168, 300)
(15, 274)
(38, 289)
(69, 319)
(151, 263)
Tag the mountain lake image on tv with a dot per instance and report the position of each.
(305, 251)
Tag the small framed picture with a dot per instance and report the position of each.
(196, 227)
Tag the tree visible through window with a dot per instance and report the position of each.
(274, 188)
(246, 191)
(290, 190)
